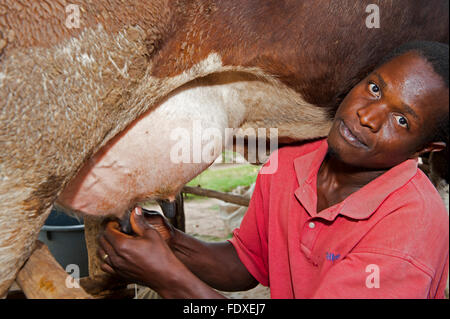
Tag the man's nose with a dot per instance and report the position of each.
(372, 116)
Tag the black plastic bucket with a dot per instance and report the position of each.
(64, 236)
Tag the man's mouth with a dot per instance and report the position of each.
(351, 137)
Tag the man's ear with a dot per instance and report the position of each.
(430, 147)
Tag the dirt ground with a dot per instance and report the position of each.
(203, 222)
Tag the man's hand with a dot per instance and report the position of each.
(145, 258)
(178, 266)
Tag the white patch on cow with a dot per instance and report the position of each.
(86, 59)
(212, 104)
(67, 50)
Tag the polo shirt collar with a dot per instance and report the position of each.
(359, 205)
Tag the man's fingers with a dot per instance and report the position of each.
(114, 236)
(101, 254)
(108, 269)
(113, 228)
(159, 223)
(108, 254)
(137, 221)
(142, 227)
(106, 257)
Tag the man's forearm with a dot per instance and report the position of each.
(217, 264)
(185, 285)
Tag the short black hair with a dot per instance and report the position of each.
(436, 54)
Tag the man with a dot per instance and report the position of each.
(347, 217)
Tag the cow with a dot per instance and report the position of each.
(70, 90)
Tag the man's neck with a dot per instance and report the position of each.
(339, 175)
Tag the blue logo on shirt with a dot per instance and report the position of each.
(332, 257)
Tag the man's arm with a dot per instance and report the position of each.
(148, 259)
(217, 264)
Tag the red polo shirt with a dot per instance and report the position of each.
(390, 239)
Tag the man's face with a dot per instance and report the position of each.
(384, 119)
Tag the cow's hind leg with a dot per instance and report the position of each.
(18, 234)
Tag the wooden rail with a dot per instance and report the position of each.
(226, 197)
(43, 278)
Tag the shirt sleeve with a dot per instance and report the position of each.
(370, 275)
(250, 239)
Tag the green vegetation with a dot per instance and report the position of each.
(229, 156)
(225, 179)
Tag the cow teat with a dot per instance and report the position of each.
(125, 224)
(168, 207)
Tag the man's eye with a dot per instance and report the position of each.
(401, 120)
(374, 88)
